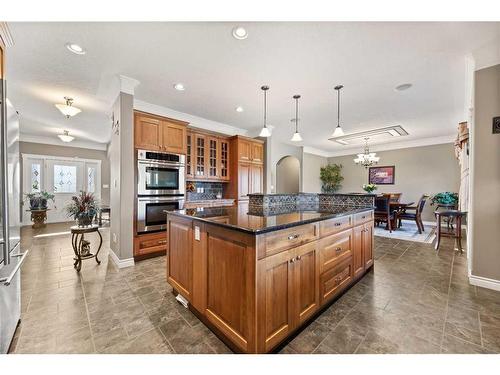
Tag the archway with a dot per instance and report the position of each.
(288, 175)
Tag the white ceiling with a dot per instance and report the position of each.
(220, 73)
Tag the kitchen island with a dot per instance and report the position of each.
(257, 275)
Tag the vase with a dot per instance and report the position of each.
(84, 221)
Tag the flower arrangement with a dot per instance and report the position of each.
(38, 200)
(446, 198)
(83, 208)
(369, 188)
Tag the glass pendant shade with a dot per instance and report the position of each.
(265, 132)
(67, 109)
(338, 132)
(66, 137)
(296, 137)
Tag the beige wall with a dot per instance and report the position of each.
(311, 165)
(288, 175)
(485, 179)
(275, 151)
(71, 152)
(419, 170)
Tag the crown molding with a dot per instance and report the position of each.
(5, 35)
(23, 137)
(383, 147)
(127, 84)
(195, 121)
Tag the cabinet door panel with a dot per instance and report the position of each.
(173, 137)
(243, 180)
(200, 147)
(275, 299)
(213, 168)
(180, 256)
(257, 183)
(244, 150)
(147, 133)
(257, 152)
(368, 244)
(224, 159)
(189, 154)
(306, 282)
(357, 250)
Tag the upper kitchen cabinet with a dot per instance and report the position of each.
(248, 149)
(157, 133)
(257, 153)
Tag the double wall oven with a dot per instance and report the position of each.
(161, 186)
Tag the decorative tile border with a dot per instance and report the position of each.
(259, 201)
(210, 191)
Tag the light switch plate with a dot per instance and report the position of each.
(197, 233)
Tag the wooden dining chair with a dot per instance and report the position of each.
(383, 212)
(416, 215)
(395, 197)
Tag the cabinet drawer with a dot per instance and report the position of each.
(334, 249)
(287, 238)
(332, 282)
(363, 217)
(336, 225)
(148, 244)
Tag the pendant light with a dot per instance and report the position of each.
(296, 136)
(338, 132)
(67, 109)
(65, 137)
(265, 132)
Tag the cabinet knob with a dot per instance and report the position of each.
(338, 249)
(299, 257)
(292, 260)
(293, 236)
(338, 224)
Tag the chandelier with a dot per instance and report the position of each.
(367, 159)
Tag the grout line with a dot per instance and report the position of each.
(447, 300)
(87, 312)
(480, 328)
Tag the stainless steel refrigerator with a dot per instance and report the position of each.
(11, 257)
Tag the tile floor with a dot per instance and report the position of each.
(415, 301)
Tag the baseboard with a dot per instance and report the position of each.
(121, 263)
(484, 282)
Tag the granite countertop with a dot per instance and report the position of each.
(241, 217)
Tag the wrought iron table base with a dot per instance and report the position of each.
(77, 241)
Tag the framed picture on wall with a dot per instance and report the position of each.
(381, 175)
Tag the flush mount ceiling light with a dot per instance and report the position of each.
(239, 109)
(65, 137)
(265, 132)
(338, 132)
(240, 33)
(367, 159)
(67, 109)
(179, 87)
(403, 87)
(75, 48)
(296, 136)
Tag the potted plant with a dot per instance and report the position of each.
(331, 178)
(39, 200)
(83, 208)
(369, 188)
(446, 198)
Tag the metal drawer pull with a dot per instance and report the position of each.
(293, 236)
(162, 242)
(338, 249)
(338, 224)
(292, 260)
(299, 257)
(7, 280)
(363, 217)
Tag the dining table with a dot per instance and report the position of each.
(400, 207)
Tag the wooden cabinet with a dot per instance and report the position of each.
(246, 167)
(200, 146)
(180, 255)
(362, 248)
(334, 249)
(157, 133)
(368, 244)
(224, 159)
(334, 281)
(150, 244)
(287, 293)
(189, 154)
(213, 155)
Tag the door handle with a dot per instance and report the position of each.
(7, 280)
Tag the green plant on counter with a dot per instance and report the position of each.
(447, 198)
(369, 188)
(331, 178)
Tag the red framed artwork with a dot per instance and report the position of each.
(381, 175)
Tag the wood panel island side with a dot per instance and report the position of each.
(256, 279)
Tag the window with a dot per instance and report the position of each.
(35, 178)
(64, 178)
(91, 175)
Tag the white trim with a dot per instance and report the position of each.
(195, 121)
(68, 158)
(315, 151)
(484, 282)
(127, 84)
(121, 263)
(23, 137)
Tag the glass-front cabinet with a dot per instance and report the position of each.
(189, 155)
(213, 151)
(224, 159)
(200, 160)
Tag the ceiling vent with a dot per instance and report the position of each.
(389, 132)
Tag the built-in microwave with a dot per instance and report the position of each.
(151, 216)
(160, 173)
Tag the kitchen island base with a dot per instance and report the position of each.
(256, 289)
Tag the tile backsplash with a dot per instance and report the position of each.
(204, 191)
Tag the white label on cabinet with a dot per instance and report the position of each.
(197, 233)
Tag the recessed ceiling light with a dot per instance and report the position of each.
(75, 48)
(240, 33)
(403, 87)
(179, 87)
(239, 109)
